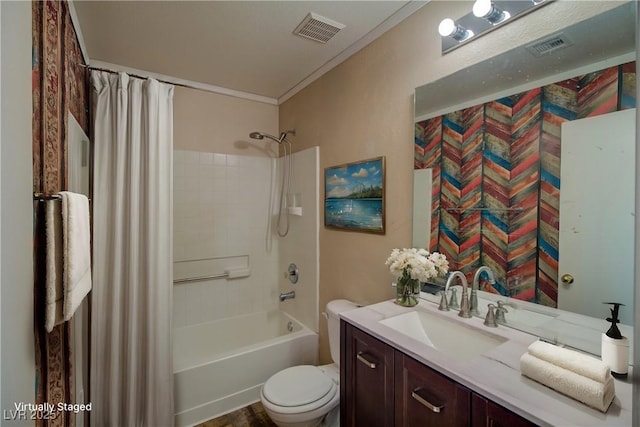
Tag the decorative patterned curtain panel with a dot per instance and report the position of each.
(59, 89)
(131, 349)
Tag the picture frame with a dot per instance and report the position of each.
(354, 196)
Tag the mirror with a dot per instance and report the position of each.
(496, 186)
(78, 168)
(78, 157)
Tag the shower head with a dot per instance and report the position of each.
(262, 135)
(256, 135)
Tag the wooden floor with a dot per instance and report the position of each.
(250, 416)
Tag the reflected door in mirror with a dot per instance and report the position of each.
(597, 214)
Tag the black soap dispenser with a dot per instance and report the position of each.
(615, 347)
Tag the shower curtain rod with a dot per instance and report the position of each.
(89, 67)
(175, 81)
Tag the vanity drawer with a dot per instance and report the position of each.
(426, 398)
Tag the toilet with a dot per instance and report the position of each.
(302, 396)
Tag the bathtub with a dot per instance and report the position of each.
(220, 366)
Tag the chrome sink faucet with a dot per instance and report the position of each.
(473, 303)
(464, 300)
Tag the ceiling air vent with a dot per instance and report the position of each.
(318, 28)
(550, 44)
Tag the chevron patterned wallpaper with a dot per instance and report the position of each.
(496, 178)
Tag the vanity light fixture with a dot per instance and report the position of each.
(487, 9)
(449, 28)
(486, 16)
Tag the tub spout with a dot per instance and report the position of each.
(287, 295)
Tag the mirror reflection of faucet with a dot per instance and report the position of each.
(453, 300)
(493, 313)
(473, 303)
(500, 311)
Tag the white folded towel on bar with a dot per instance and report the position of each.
(565, 378)
(76, 232)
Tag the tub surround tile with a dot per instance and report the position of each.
(221, 210)
(206, 158)
(496, 374)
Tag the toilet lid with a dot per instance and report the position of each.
(297, 386)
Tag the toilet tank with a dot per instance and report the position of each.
(334, 308)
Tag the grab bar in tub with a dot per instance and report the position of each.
(199, 278)
(228, 273)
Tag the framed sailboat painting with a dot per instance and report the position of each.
(354, 196)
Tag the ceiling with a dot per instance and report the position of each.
(243, 46)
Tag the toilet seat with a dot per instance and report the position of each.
(299, 389)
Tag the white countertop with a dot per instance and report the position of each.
(496, 373)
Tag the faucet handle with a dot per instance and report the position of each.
(490, 319)
(453, 300)
(464, 305)
(473, 303)
(444, 306)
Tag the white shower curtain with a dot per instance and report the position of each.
(131, 348)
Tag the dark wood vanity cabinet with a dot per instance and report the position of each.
(381, 386)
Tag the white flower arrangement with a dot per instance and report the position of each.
(418, 264)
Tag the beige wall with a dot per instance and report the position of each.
(18, 359)
(205, 121)
(364, 108)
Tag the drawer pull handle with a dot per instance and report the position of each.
(361, 358)
(423, 400)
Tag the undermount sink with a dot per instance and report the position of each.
(449, 337)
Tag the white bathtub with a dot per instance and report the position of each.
(220, 366)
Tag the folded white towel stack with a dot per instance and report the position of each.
(574, 374)
(579, 363)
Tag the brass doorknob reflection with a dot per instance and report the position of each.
(567, 279)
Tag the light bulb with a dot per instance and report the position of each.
(447, 27)
(487, 10)
(481, 8)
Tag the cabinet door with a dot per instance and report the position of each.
(366, 380)
(426, 398)
(488, 414)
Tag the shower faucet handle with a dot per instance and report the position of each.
(292, 273)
